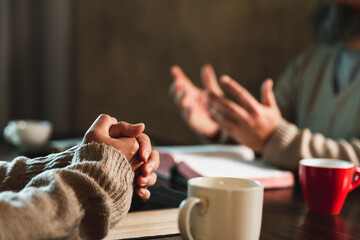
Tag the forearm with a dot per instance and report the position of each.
(16, 174)
(288, 145)
(81, 201)
(47, 208)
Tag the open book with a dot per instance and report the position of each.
(220, 161)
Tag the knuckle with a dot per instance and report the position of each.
(257, 112)
(104, 116)
(114, 119)
(154, 177)
(251, 124)
(140, 138)
(134, 145)
(156, 156)
(122, 124)
(146, 196)
(155, 153)
(145, 138)
(92, 135)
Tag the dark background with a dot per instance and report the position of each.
(68, 61)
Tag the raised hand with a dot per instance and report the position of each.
(249, 122)
(191, 100)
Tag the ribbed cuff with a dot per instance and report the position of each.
(113, 162)
(279, 143)
(112, 171)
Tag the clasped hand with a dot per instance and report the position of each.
(133, 143)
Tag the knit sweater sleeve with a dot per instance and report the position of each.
(16, 174)
(289, 144)
(81, 201)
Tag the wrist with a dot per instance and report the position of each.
(268, 134)
(219, 136)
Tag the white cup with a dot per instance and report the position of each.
(222, 208)
(28, 133)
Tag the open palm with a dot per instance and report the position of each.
(192, 100)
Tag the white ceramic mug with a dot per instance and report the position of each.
(28, 133)
(222, 208)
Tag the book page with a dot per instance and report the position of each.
(146, 223)
(223, 150)
(209, 166)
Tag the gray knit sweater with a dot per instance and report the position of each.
(320, 123)
(77, 194)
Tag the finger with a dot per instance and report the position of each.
(129, 147)
(185, 101)
(210, 81)
(267, 93)
(179, 99)
(143, 193)
(185, 98)
(124, 129)
(240, 93)
(148, 181)
(104, 122)
(153, 179)
(114, 119)
(228, 125)
(180, 77)
(185, 113)
(224, 120)
(145, 147)
(180, 90)
(220, 105)
(152, 164)
(232, 129)
(135, 163)
(176, 87)
(178, 73)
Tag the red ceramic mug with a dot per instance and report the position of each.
(326, 183)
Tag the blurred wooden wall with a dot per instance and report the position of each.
(124, 49)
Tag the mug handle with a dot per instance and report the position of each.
(356, 181)
(186, 207)
(10, 134)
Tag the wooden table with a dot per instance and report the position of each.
(285, 216)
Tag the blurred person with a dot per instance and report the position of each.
(315, 111)
(80, 193)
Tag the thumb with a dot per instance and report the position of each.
(179, 75)
(267, 93)
(124, 129)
